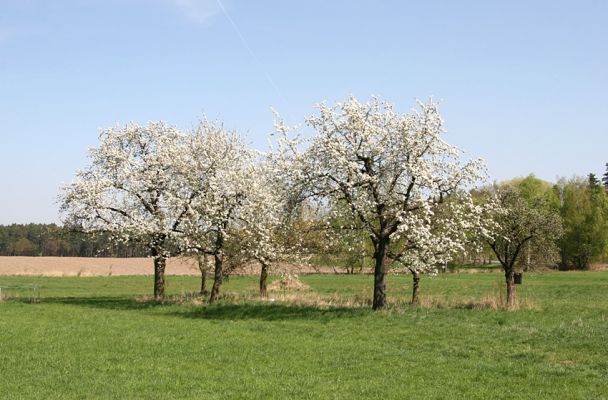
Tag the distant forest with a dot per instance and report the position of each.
(54, 240)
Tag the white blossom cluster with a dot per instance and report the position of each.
(436, 232)
(174, 190)
(130, 188)
(394, 172)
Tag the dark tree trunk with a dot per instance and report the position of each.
(415, 287)
(159, 276)
(379, 301)
(510, 279)
(350, 269)
(218, 276)
(202, 266)
(204, 283)
(263, 280)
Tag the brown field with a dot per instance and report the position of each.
(93, 266)
(81, 266)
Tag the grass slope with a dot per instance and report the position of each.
(91, 338)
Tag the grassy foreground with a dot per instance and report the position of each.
(93, 338)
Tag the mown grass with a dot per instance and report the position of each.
(95, 338)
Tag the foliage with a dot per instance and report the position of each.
(536, 192)
(135, 188)
(526, 227)
(446, 230)
(238, 212)
(268, 218)
(131, 186)
(220, 183)
(592, 181)
(62, 241)
(382, 186)
(528, 223)
(346, 244)
(584, 212)
(389, 170)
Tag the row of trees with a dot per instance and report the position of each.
(580, 207)
(565, 224)
(388, 176)
(180, 193)
(59, 241)
(366, 181)
(583, 207)
(581, 204)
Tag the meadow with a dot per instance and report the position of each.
(99, 337)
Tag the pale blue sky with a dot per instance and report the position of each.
(523, 84)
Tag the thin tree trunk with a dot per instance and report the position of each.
(263, 280)
(217, 277)
(379, 301)
(202, 266)
(509, 277)
(159, 276)
(415, 287)
(204, 283)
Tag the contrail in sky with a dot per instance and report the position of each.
(250, 50)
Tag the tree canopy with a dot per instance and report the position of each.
(390, 170)
(525, 226)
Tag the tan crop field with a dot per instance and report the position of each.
(82, 266)
(107, 266)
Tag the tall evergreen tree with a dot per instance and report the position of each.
(593, 181)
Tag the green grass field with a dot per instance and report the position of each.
(92, 338)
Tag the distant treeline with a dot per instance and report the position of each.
(54, 240)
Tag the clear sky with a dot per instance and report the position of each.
(522, 84)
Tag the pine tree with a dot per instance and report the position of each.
(593, 181)
(605, 177)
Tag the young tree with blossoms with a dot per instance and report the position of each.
(266, 220)
(523, 225)
(436, 232)
(134, 188)
(385, 166)
(222, 180)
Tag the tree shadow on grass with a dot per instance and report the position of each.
(218, 311)
(105, 302)
(271, 312)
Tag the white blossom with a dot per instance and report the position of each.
(393, 172)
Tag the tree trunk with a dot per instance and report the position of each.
(263, 280)
(509, 277)
(379, 274)
(202, 266)
(204, 283)
(416, 287)
(159, 275)
(217, 277)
